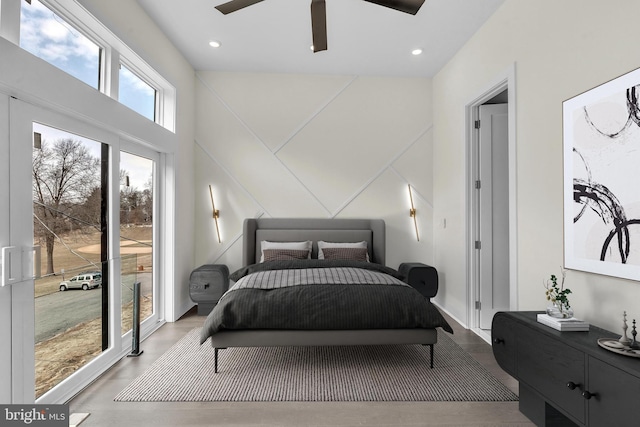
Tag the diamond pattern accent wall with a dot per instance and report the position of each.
(322, 146)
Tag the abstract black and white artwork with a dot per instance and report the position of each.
(602, 178)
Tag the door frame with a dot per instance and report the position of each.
(21, 353)
(505, 81)
(149, 324)
(23, 115)
(5, 291)
(59, 93)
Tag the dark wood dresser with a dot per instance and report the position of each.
(566, 378)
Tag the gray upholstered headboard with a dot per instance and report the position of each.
(314, 229)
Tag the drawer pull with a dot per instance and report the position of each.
(588, 395)
(498, 341)
(572, 386)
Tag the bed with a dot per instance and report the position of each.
(284, 296)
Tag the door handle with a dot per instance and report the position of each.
(17, 260)
(11, 255)
(32, 269)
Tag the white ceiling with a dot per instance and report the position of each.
(363, 38)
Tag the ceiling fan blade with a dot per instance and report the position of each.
(407, 6)
(234, 5)
(319, 25)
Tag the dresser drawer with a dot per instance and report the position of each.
(548, 365)
(503, 342)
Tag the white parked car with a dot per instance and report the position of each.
(84, 281)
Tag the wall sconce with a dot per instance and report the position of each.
(412, 212)
(216, 214)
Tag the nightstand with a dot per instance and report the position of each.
(422, 277)
(207, 283)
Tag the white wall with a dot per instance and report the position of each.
(560, 50)
(283, 145)
(127, 20)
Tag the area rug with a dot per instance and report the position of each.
(350, 373)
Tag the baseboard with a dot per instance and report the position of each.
(448, 313)
(182, 311)
(484, 334)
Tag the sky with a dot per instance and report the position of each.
(46, 35)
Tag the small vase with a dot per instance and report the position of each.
(560, 311)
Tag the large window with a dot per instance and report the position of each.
(67, 325)
(49, 37)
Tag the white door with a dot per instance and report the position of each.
(493, 212)
(28, 312)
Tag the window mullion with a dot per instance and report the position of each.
(10, 20)
(111, 73)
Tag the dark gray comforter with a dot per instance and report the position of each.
(320, 295)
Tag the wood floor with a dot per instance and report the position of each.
(98, 399)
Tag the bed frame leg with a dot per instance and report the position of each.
(431, 353)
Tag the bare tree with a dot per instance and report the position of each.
(136, 206)
(147, 201)
(65, 174)
(91, 210)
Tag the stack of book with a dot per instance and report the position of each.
(569, 324)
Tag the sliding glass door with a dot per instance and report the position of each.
(70, 183)
(59, 254)
(81, 233)
(137, 201)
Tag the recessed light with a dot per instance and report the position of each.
(214, 43)
(416, 52)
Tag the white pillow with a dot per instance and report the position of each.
(323, 244)
(265, 244)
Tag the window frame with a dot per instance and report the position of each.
(63, 94)
(113, 51)
(133, 69)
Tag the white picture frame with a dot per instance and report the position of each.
(601, 142)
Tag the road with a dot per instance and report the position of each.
(57, 312)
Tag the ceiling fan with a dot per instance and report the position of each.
(319, 14)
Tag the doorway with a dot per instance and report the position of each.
(57, 202)
(491, 158)
(68, 308)
(492, 211)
